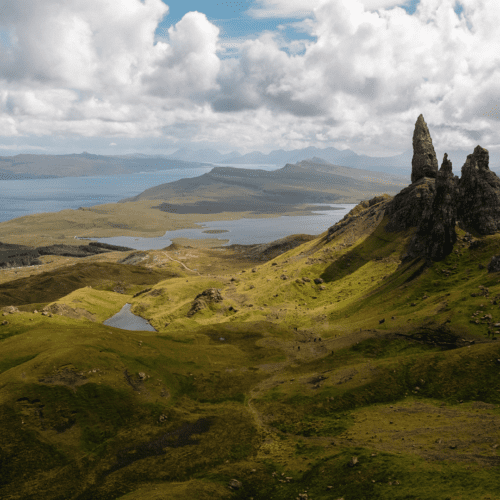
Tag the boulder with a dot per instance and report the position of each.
(494, 265)
(234, 484)
(201, 301)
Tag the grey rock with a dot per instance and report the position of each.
(479, 205)
(494, 265)
(234, 484)
(436, 234)
(424, 162)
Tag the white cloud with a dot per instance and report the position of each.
(93, 68)
(188, 65)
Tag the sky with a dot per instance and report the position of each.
(152, 76)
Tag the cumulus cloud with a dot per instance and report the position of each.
(367, 70)
(188, 64)
(374, 71)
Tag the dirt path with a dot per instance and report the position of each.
(181, 263)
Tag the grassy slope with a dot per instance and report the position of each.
(93, 412)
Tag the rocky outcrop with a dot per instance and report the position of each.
(360, 221)
(408, 206)
(93, 248)
(424, 162)
(20, 255)
(479, 203)
(436, 234)
(436, 201)
(203, 299)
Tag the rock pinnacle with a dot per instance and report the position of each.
(424, 162)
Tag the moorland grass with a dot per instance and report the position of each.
(94, 412)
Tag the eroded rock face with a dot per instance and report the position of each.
(436, 234)
(479, 203)
(408, 206)
(424, 162)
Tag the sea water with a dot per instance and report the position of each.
(26, 197)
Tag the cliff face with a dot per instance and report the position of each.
(479, 203)
(435, 201)
(436, 234)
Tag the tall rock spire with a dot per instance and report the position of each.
(424, 162)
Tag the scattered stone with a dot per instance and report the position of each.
(5, 322)
(162, 418)
(318, 281)
(11, 310)
(306, 280)
(234, 484)
(380, 321)
(353, 461)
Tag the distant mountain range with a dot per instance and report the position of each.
(31, 166)
(397, 165)
(280, 157)
(36, 166)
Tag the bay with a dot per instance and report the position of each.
(26, 197)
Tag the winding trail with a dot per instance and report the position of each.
(181, 263)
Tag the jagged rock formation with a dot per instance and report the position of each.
(479, 204)
(436, 234)
(435, 201)
(424, 162)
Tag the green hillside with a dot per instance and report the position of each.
(277, 386)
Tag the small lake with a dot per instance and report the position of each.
(245, 231)
(126, 320)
